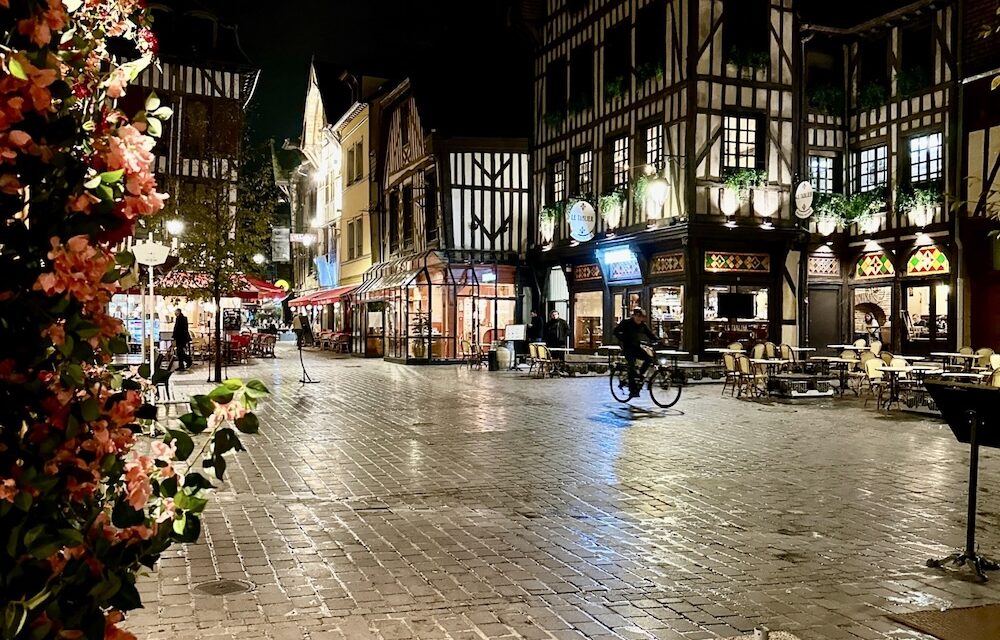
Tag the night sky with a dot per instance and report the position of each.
(378, 36)
(393, 37)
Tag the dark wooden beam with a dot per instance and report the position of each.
(881, 22)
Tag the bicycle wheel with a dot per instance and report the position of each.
(663, 390)
(619, 383)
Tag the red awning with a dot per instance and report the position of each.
(266, 290)
(323, 296)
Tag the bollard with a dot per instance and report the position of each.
(761, 633)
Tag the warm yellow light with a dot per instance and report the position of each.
(175, 227)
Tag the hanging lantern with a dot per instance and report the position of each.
(656, 197)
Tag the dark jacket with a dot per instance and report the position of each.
(631, 333)
(181, 333)
(556, 332)
(535, 329)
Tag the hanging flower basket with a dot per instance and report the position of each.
(742, 181)
(610, 205)
(547, 221)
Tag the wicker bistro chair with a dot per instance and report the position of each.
(532, 357)
(886, 357)
(770, 350)
(874, 380)
(735, 346)
(995, 361)
(860, 342)
(984, 355)
(732, 379)
(966, 349)
(858, 373)
(751, 380)
(546, 363)
(470, 355)
(876, 347)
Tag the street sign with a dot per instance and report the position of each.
(582, 221)
(280, 245)
(803, 200)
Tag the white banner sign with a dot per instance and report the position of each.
(281, 250)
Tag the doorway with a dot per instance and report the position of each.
(924, 316)
(824, 317)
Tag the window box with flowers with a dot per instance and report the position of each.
(865, 209)
(739, 182)
(920, 205)
(829, 208)
(649, 70)
(614, 88)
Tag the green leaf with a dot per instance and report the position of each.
(93, 183)
(234, 384)
(155, 127)
(248, 424)
(127, 598)
(146, 411)
(185, 445)
(195, 480)
(194, 423)
(14, 617)
(45, 550)
(221, 395)
(104, 192)
(32, 535)
(109, 177)
(190, 503)
(123, 515)
(257, 386)
(202, 405)
(23, 501)
(168, 488)
(164, 113)
(187, 527)
(125, 259)
(118, 345)
(225, 440)
(16, 69)
(90, 409)
(219, 463)
(152, 102)
(71, 535)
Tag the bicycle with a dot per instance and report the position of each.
(663, 381)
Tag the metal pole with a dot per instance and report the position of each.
(970, 531)
(152, 322)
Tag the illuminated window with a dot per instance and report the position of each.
(619, 162)
(925, 158)
(741, 148)
(557, 182)
(584, 172)
(654, 145)
(873, 168)
(821, 173)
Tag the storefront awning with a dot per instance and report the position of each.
(266, 290)
(321, 297)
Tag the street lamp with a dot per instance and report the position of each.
(175, 227)
(258, 258)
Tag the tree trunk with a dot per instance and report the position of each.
(219, 346)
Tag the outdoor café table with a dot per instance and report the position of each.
(913, 358)
(894, 373)
(969, 377)
(562, 368)
(849, 347)
(842, 364)
(772, 364)
(947, 355)
(671, 353)
(802, 349)
(124, 361)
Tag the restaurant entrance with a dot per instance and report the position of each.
(924, 316)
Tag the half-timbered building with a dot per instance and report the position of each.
(880, 150)
(453, 226)
(664, 161)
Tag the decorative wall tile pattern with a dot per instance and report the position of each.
(667, 263)
(722, 262)
(927, 261)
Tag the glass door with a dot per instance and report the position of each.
(625, 300)
(925, 320)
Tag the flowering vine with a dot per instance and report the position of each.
(85, 499)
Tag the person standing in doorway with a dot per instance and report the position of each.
(535, 328)
(556, 330)
(182, 340)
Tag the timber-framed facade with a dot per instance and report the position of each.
(658, 105)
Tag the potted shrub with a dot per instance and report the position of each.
(871, 96)
(648, 70)
(748, 63)
(554, 119)
(614, 88)
(910, 82)
(919, 205)
(579, 103)
(547, 219)
(610, 207)
(864, 209)
(827, 99)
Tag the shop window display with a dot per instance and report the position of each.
(666, 306)
(721, 331)
(588, 313)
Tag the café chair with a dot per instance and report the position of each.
(983, 358)
(966, 350)
(732, 374)
(736, 346)
(751, 380)
(876, 347)
(860, 342)
(546, 363)
(770, 350)
(874, 379)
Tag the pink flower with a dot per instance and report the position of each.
(116, 83)
(130, 150)
(82, 203)
(167, 510)
(137, 482)
(8, 490)
(162, 451)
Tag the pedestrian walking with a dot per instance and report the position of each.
(182, 340)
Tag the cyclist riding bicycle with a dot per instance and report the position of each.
(630, 333)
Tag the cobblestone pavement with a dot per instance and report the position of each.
(437, 502)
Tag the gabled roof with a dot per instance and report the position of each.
(333, 91)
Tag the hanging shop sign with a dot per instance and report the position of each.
(582, 221)
(803, 200)
(280, 245)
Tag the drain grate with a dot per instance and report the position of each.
(223, 587)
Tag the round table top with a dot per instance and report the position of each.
(947, 354)
(560, 349)
(769, 361)
(723, 350)
(913, 358)
(892, 369)
(612, 347)
(802, 348)
(848, 347)
(834, 359)
(671, 352)
(961, 375)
